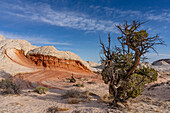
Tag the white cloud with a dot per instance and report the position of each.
(44, 13)
(31, 39)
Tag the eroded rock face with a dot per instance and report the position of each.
(54, 62)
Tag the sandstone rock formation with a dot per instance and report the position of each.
(161, 62)
(48, 56)
(96, 67)
(19, 56)
(7, 51)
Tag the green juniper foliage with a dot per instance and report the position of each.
(120, 64)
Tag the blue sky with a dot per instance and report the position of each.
(75, 25)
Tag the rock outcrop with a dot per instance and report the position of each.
(161, 62)
(7, 47)
(95, 67)
(49, 56)
(19, 56)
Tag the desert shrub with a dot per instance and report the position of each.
(136, 83)
(10, 87)
(41, 90)
(120, 64)
(56, 109)
(75, 94)
(72, 80)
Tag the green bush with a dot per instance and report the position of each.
(135, 85)
(149, 73)
(72, 80)
(10, 87)
(41, 90)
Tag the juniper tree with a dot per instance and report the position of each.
(120, 64)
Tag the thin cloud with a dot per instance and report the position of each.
(162, 15)
(44, 13)
(122, 12)
(32, 40)
(157, 55)
(116, 13)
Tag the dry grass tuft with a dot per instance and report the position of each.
(75, 94)
(56, 109)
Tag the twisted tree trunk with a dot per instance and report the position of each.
(133, 68)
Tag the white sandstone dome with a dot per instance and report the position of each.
(7, 48)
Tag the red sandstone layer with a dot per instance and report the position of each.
(43, 61)
(53, 63)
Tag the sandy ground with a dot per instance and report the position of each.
(156, 99)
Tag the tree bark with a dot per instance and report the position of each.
(133, 68)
